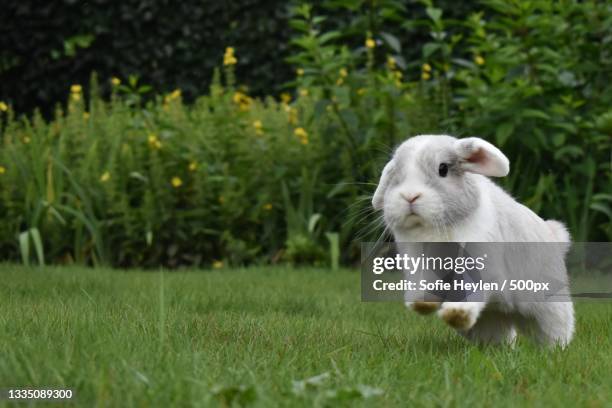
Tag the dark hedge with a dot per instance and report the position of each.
(46, 46)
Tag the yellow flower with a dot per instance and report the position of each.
(85, 115)
(26, 139)
(105, 177)
(115, 81)
(176, 182)
(3, 107)
(154, 142)
(370, 43)
(242, 100)
(228, 57)
(299, 72)
(285, 97)
(2, 169)
(425, 76)
(292, 115)
(238, 96)
(391, 62)
(76, 96)
(193, 166)
(267, 206)
(258, 127)
(426, 67)
(302, 135)
(479, 60)
(76, 88)
(343, 73)
(303, 92)
(176, 94)
(217, 264)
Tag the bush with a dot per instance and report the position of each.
(123, 184)
(534, 77)
(45, 47)
(235, 179)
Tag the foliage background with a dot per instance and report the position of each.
(46, 47)
(126, 173)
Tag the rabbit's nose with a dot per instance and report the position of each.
(410, 198)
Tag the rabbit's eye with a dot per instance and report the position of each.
(443, 169)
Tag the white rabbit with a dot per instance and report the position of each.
(435, 189)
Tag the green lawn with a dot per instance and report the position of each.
(256, 336)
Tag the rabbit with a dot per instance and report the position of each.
(436, 189)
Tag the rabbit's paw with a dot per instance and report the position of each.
(461, 317)
(425, 308)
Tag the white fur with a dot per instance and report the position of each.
(497, 217)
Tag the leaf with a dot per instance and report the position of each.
(392, 41)
(299, 25)
(434, 13)
(334, 249)
(138, 176)
(429, 49)
(463, 62)
(602, 197)
(567, 78)
(24, 247)
(503, 132)
(603, 208)
(312, 222)
(300, 387)
(38, 246)
(327, 37)
(369, 391)
(570, 150)
(337, 189)
(534, 113)
(558, 139)
(346, 394)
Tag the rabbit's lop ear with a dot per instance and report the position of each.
(379, 194)
(479, 156)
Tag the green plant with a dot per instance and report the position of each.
(363, 107)
(528, 75)
(303, 223)
(127, 182)
(167, 45)
(146, 179)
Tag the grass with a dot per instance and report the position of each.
(270, 337)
